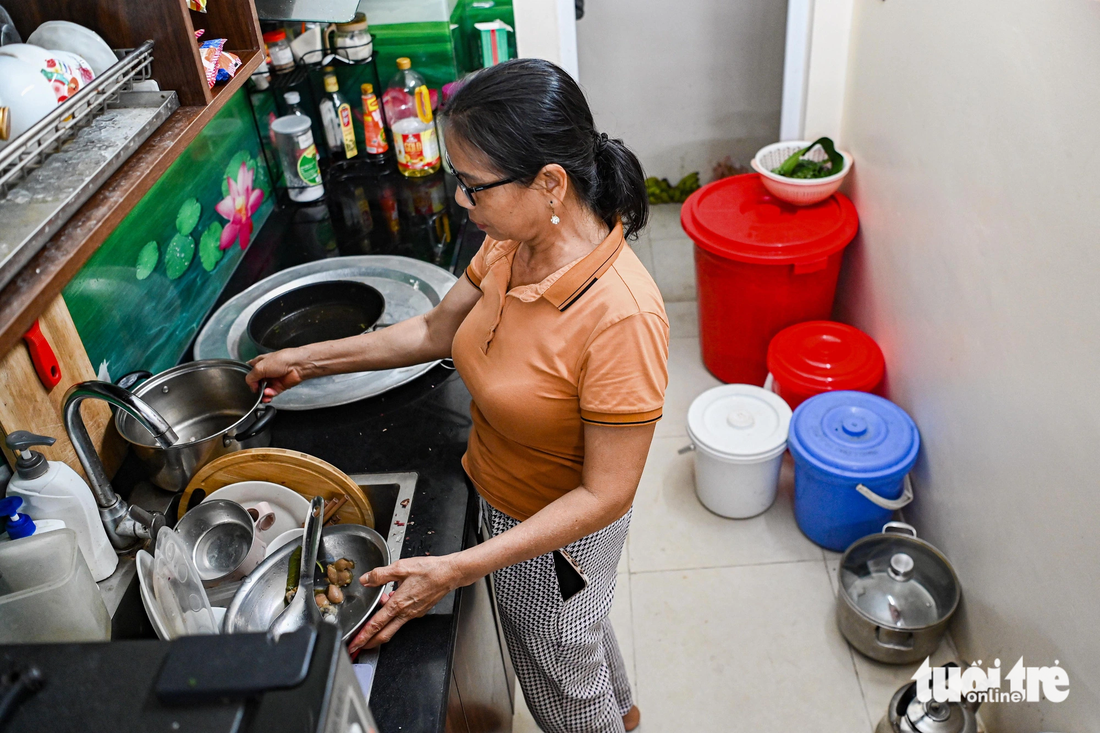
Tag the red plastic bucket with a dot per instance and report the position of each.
(823, 356)
(760, 265)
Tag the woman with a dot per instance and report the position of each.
(561, 336)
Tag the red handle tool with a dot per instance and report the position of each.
(42, 356)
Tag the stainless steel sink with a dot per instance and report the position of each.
(391, 498)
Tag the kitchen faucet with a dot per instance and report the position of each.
(125, 523)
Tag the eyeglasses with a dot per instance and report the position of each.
(469, 191)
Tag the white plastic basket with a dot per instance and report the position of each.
(798, 191)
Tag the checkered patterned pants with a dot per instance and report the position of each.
(564, 652)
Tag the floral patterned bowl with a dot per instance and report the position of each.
(25, 95)
(61, 75)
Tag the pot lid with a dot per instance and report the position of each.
(736, 217)
(893, 598)
(898, 581)
(854, 434)
(819, 355)
(739, 421)
(939, 717)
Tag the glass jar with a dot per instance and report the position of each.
(351, 41)
(278, 51)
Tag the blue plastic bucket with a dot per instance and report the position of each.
(852, 451)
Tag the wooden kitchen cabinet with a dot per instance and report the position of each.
(479, 676)
(177, 67)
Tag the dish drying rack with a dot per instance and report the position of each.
(48, 172)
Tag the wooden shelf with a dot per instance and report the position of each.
(129, 23)
(177, 66)
(28, 295)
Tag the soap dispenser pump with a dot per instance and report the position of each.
(19, 525)
(52, 490)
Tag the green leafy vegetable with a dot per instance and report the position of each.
(147, 260)
(178, 255)
(188, 216)
(210, 251)
(797, 167)
(660, 191)
(293, 574)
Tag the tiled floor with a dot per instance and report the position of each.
(727, 625)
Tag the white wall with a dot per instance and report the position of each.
(975, 130)
(684, 83)
(828, 69)
(547, 29)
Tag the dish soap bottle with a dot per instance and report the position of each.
(52, 490)
(409, 111)
(336, 119)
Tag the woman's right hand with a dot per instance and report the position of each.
(280, 369)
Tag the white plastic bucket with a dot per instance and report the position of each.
(739, 435)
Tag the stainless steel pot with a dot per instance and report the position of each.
(907, 714)
(896, 595)
(210, 407)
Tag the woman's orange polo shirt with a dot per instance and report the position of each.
(589, 344)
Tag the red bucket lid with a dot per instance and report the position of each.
(819, 356)
(737, 218)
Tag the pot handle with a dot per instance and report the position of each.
(891, 504)
(899, 528)
(257, 427)
(686, 449)
(128, 381)
(900, 641)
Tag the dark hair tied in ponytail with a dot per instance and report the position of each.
(525, 114)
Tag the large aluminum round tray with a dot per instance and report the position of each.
(411, 287)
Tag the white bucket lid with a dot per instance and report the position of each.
(739, 421)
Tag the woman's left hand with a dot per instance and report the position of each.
(421, 583)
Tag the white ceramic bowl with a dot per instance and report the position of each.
(74, 38)
(84, 72)
(63, 78)
(289, 506)
(291, 535)
(26, 94)
(798, 191)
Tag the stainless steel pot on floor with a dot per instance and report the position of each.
(210, 407)
(896, 595)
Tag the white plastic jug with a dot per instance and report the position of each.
(52, 490)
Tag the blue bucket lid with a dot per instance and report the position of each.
(854, 434)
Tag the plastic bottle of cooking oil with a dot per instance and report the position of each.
(409, 112)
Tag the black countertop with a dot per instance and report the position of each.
(421, 426)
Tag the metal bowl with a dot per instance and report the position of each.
(219, 534)
(259, 600)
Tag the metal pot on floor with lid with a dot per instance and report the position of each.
(907, 714)
(209, 405)
(896, 594)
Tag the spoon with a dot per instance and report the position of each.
(302, 609)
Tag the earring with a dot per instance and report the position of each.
(553, 217)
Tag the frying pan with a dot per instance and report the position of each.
(322, 311)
